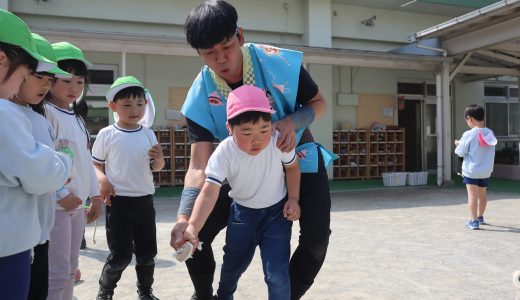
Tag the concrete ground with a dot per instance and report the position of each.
(393, 243)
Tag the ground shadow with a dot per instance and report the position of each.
(101, 256)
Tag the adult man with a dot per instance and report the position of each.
(211, 28)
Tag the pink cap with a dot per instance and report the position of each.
(247, 98)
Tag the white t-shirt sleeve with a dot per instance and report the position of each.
(99, 151)
(218, 165)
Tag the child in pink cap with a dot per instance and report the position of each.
(265, 191)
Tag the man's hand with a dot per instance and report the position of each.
(291, 210)
(287, 139)
(177, 234)
(70, 202)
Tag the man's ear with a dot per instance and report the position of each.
(241, 39)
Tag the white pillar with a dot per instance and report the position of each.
(446, 120)
(123, 64)
(4, 4)
(438, 128)
(318, 29)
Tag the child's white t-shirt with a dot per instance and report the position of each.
(125, 155)
(256, 181)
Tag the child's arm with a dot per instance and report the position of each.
(462, 145)
(292, 176)
(105, 187)
(201, 210)
(156, 157)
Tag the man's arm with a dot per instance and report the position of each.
(193, 182)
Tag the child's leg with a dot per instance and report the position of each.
(119, 240)
(275, 251)
(145, 242)
(59, 255)
(482, 200)
(240, 247)
(15, 272)
(77, 223)
(472, 200)
(39, 286)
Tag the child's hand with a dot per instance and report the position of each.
(156, 152)
(70, 202)
(106, 190)
(94, 210)
(291, 210)
(456, 142)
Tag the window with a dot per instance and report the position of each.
(100, 78)
(502, 116)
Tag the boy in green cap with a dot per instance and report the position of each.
(24, 160)
(125, 154)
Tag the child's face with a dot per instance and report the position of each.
(9, 87)
(252, 138)
(225, 58)
(66, 91)
(130, 111)
(34, 88)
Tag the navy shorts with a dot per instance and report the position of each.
(481, 182)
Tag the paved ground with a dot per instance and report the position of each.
(387, 244)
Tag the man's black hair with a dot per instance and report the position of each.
(129, 92)
(210, 23)
(249, 116)
(475, 111)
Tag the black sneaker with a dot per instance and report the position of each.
(83, 244)
(196, 297)
(104, 295)
(146, 295)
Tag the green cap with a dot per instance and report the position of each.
(65, 50)
(130, 81)
(15, 32)
(45, 48)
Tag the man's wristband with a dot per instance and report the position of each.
(188, 197)
(303, 116)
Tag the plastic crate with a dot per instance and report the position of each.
(394, 179)
(417, 178)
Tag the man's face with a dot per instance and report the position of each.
(225, 58)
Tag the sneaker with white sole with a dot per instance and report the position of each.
(472, 224)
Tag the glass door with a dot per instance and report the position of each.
(430, 135)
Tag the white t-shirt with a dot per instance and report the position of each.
(256, 181)
(125, 155)
(72, 135)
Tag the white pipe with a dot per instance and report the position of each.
(438, 127)
(444, 52)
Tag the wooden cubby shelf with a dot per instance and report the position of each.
(367, 154)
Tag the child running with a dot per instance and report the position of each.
(477, 147)
(265, 199)
(73, 138)
(30, 101)
(27, 168)
(125, 154)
